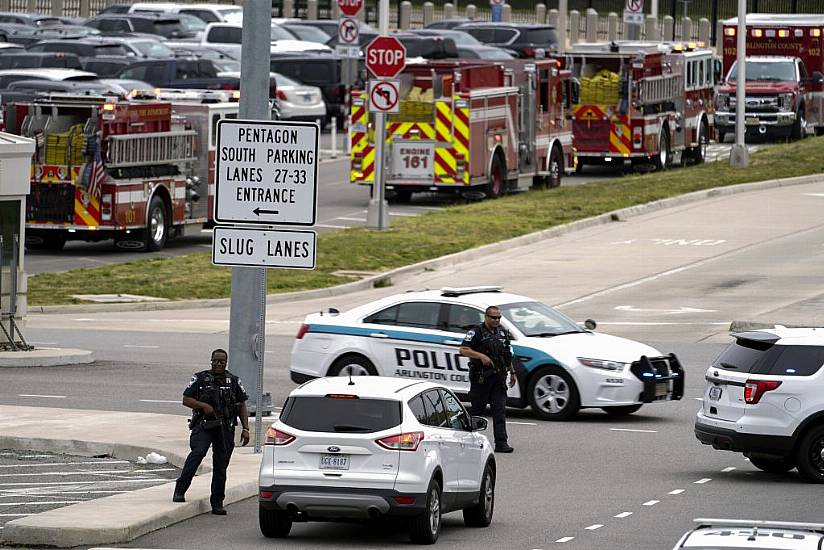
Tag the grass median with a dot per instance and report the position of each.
(411, 240)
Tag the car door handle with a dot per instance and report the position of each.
(378, 335)
(453, 342)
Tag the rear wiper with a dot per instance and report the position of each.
(348, 428)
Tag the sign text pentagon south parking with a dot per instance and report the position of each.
(266, 172)
(385, 56)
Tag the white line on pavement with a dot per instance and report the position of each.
(45, 396)
(176, 401)
(404, 214)
(698, 398)
(140, 347)
(95, 482)
(12, 515)
(704, 480)
(330, 226)
(63, 463)
(728, 469)
(39, 503)
(632, 430)
(521, 423)
(651, 503)
(622, 515)
(564, 539)
(594, 527)
(663, 323)
(676, 492)
(43, 343)
(88, 472)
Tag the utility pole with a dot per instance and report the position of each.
(739, 156)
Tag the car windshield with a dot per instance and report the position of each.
(113, 49)
(493, 53)
(537, 319)
(233, 15)
(312, 34)
(279, 33)
(286, 81)
(461, 38)
(770, 71)
(152, 48)
(190, 23)
(227, 65)
(340, 414)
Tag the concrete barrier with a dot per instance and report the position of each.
(471, 12)
(311, 9)
(506, 13)
(428, 13)
(668, 31)
(686, 29)
(651, 28)
(612, 26)
(540, 13)
(574, 26)
(449, 11)
(552, 17)
(592, 25)
(704, 30)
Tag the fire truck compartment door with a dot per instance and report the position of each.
(413, 160)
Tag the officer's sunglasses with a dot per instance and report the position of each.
(494, 317)
(219, 361)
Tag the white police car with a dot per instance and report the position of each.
(561, 367)
(717, 534)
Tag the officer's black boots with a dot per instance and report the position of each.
(504, 449)
(219, 511)
(178, 497)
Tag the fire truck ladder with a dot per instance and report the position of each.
(151, 148)
(657, 89)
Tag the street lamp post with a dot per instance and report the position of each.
(739, 156)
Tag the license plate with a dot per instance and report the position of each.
(715, 393)
(751, 121)
(334, 462)
(661, 389)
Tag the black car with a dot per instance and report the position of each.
(167, 26)
(523, 39)
(447, 23)
(490, 53)
(85, 47)
(28, 60)
(427, 47)
(107, 67)
(316, 69)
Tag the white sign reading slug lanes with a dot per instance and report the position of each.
(253, 247)
(266, 172)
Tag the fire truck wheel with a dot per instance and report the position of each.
(800, 126)
(699, 153)
(556, 168)
(53, 242)
(497, 179)
(157, 228)
(663, 157)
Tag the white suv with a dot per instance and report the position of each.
(365, 447)
(764, 398)
(718, 534)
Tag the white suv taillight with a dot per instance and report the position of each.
(277, 437)
(755, 389)
(402, 442)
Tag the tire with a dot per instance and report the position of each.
(497, 178)
(699, 153)
(799, 130)
(426, 527)
(556, 168)
(663, 157)
(403, 196)
(721, 136)
(621, 411)
(274, 524)
(480, 515)
(809, 458)
(552, 394)
(772, 464)
(157, 226)
(355, 365)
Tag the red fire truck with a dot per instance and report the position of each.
(641, 103)
(476, 128)
(785, 76)
(133, 171)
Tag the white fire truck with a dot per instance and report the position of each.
(641, 103)
(139, 172)
(470, 127)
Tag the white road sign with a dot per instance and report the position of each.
(253, 247)
(266, 172)
(634, 12)
(384, 96)
(348, 31)
(347, 51)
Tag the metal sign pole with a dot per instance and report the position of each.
(377, 213)
(247, 315)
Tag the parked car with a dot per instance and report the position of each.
(718, 534)
(29, 60)
(29, 19)
(447, 23)
(63, 32)
(522, 39)
(74, 87)
(298, 101)
(140, 45)
(330, 26)
(169, 26)
(226, 37)
(491, 53)
(307, 33)
(427, 47)
(84, 47)
(8, 47)
(8, 76)
(468, 47)
(130, 88)
(115, 8)
(208, 13)
(367, 448)
(105, 66)
(19, 34)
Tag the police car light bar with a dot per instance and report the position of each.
(461, 291)
(714, 522)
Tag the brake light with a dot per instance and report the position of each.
(408, 441)
(342, 396)
(404, 500)
(637, 135)
(277, 437)
(304, 328)
(106, 207)
(281, 95)
(755, 389)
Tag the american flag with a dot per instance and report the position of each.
(97, 174)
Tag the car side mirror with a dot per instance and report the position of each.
(479, 423)
(818, 78)
(590, 324)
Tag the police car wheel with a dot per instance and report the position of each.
(621, 411)
(480, 515)
(354, 365)
(810, 456)
(772, 464)
(274, 524)
(552, 394)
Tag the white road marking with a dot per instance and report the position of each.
(63, 463)
(813, 194)
(140, 347)
(676, 492)
(362, 220)
(564, 539)
(13, 515)
(594, 527)
(95, 482)
(39, 503)
(176, 401)
(522, 423)
(82, 319)
(698, 398)
(663, 311)
(44, 396)
(704, 480)
(633, 430)
(651, 503)
(89, 472)
(663, 323)
(404, 214)
(622, 515)
(728, 469)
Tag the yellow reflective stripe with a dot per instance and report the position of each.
(616, 142)
(87, 218)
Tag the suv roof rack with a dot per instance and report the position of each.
(715, 522)
(462, 291)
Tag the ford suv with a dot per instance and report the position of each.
(763, 398)
(359, 448)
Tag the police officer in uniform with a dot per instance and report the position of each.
(490, 359)
(217, 398)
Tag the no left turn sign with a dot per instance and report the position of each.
(384, 96)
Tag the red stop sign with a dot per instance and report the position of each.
(350, 8)
(385, 56)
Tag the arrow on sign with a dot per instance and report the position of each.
(664, 311)
(258, 211)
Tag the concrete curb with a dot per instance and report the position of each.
(45, 357)
(450, 259)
